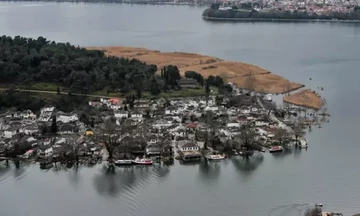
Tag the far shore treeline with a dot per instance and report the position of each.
(245, 12)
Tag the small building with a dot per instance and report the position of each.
(121, 114)
(136, 114)
(12, 131)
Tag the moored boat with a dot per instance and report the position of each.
(123, 162)
(216, 157)
(276, 149)
(142, 161)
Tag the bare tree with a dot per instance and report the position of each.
(281, 135)
(247, 137)
(110, 137)
(249, 83)
(298, 130)
(211, 127)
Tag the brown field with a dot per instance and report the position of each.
(206, 65)
(228, 68)
(268, 83)
(306, 98)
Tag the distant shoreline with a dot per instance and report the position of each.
(276, 20)
(112, 2)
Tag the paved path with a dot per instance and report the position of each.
(55, 92)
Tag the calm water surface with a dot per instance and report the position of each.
(274, 185)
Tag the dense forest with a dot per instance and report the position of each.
(24, 61)
(214, 12)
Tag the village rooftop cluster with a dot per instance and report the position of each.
(185, 128)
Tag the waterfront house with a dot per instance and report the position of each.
(153, 149)
(190, 146)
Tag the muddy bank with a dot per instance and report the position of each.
(235, 72)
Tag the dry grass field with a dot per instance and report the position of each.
(306, 98)
(206, 65)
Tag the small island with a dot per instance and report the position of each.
(283, 12)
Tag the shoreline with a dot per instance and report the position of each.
(278, 20)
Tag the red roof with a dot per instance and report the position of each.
(191, 125)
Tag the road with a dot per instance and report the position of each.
(54, 92)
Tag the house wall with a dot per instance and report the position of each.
(190, 149)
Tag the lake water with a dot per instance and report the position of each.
(275, 185)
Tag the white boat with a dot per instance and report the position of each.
(142, 161)
(319, 205)
(216, 157)
(276, 149)
(303, 143)
(123, 162)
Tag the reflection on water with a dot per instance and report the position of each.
(249, 165)
(209, 170)
(160, 172)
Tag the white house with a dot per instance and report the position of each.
(115, 106)
(136, 114)
(48, 152)
(10, 132)
(233, 124)
(189, 147)
(31, 130)
(122, 114)
(66, 118)
(171, 110)
(153, 139)
(261, 123)
(47, 109)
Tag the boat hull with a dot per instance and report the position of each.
(276, 149)
(145, 162)
(123, 162)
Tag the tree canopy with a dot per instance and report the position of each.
(26, 60)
